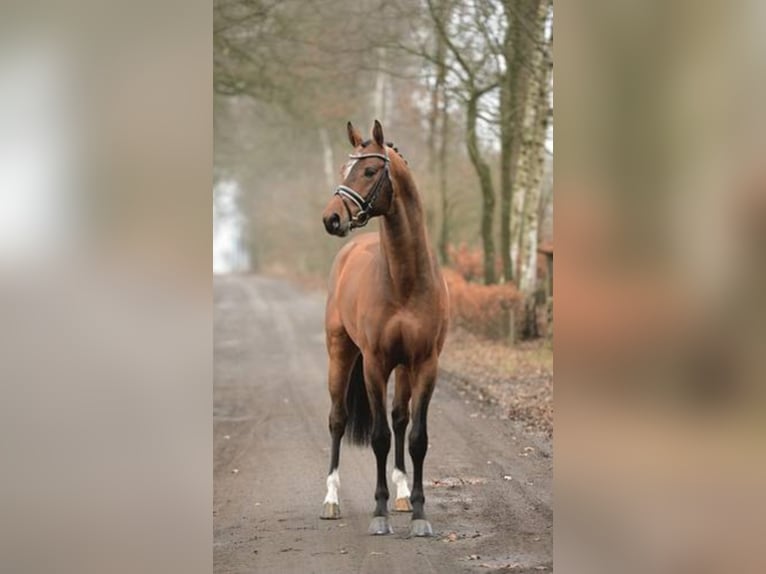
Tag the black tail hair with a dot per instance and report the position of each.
(359, 424)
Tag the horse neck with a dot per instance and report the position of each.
(404, 241)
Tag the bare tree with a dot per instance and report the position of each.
(475, 76)
(285, 78)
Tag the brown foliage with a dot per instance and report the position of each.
(469, 263)
(482, 309)
(466, 262)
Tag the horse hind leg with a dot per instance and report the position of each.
(375, 379)
(400, 415)
(341, 362)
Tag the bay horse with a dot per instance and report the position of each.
(387, 311)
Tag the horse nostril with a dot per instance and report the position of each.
(332, 223)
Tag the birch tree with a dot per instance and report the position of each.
(475, 74)
(517, 51)
(529, 169)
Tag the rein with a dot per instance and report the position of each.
(364, 204)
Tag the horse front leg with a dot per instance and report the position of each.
(400, 415)
(376, 377)
(421, 398)
(342, 357)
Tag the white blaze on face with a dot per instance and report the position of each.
(348, 167)
(400, 480)
(333, 485)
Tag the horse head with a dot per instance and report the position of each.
(366, 188)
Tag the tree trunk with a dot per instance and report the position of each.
(528, 172)
(434, 112)
(329, 161)
(506, 179)
(379, 95)
(439, 122)
(540, 110)
(434, 129)
(513, 97)
(444, 142)
(487, 191)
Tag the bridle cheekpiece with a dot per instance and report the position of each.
(364, 204)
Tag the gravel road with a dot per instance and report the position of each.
(488, 482)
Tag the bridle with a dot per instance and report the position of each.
(364, 204)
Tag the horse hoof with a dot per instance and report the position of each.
(380, 525)
(330, 511)
(402, 505)
(421, 527)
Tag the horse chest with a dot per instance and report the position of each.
(407, 336)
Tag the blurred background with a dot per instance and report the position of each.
(105, 296)
(464, 90)
(106, 245)
(660, 331)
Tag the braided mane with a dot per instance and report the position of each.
(390, 145)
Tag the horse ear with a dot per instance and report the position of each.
(377, 134)
(353, 135)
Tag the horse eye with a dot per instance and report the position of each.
(369, 172)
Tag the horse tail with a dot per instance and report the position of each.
(359, 424)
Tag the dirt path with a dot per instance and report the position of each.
(488, 483)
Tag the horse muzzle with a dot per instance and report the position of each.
(334, 225)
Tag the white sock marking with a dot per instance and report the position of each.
(333, 485)
(400, 480)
